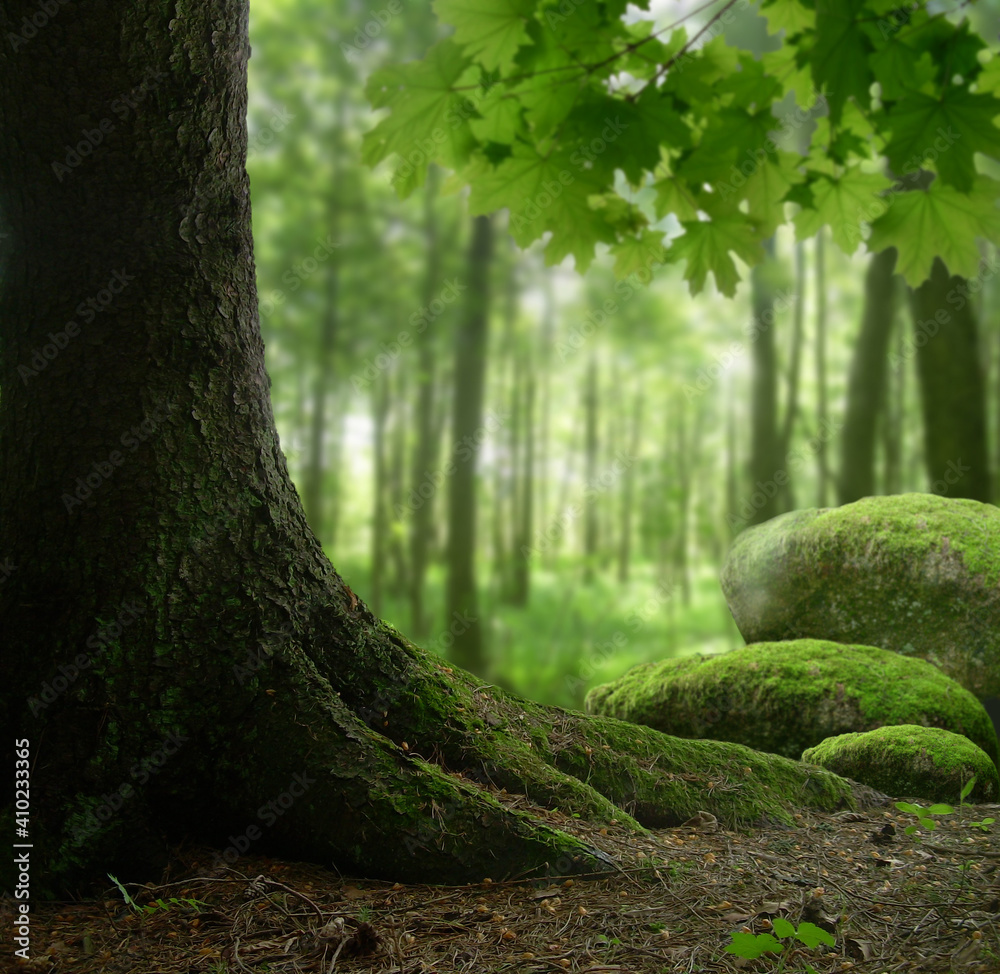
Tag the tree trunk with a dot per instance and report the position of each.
(892, 428)
(628, 492)
(521, 567)
(380, 519)
(399, 583)
(314, 494)
(421, 508)
(794, 368)
(951, 384)
(866, 384)
(822, 463)
(181, 659)
(765, 459)
(467, 428)
(590, 465)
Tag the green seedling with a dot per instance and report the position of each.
(750, 945)
(922, 815)
(160, 904)
(985, 824)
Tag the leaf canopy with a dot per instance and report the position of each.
(876, 120)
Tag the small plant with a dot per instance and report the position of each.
(985, 824)
(922, 815)
(749, 945)
(929, 823)
(160, 904)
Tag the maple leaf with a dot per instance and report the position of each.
(546, 193)
(640, 253)
(491, 31)
(429, 117)
(948, 131)
(840, 54)
(845, 203)
(706, 245)
(938, 222)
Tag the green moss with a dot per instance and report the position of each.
(914, 573)
(786, 696)
(909, 761)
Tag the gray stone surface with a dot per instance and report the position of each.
(917, 574)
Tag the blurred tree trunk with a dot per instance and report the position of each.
(521, 567)
(951, 384)
(380, 518)
(822, 413)
(893, 415)
(425, 444)
(399, 584)
(467, 430)
(313, 492)
(867, 381)
(628, 491)
(794, 368)
(732, 459)
(590, 528)
(764, 456)
(545, 412)
(684, 464)
(335, 478)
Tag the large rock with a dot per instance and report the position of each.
(785, 697)
(915, 573)
(910, 762)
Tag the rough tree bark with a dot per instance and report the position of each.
(179, 653)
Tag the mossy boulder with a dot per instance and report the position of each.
(784, 697)
(908, 761)
(914, 573)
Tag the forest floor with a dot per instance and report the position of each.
(892, 901)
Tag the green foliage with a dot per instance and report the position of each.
(160, 904)
(563, 113)
(923, 816)
(751, 946)
(984, 825)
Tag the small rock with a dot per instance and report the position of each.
(908, 761)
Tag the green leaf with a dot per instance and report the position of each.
(811, 935)
(638, 253)
(673, 195)
(782, 927)
(840, 55)
(787, 15)
(940, 810)
(546, 193)
(750, 946)
(706, 246)
(899, 68)
(429, 117)
(967, 789)
(844, 203)
(629, 133)
(500, 121)
(491, 31)
(946, 131)
(765, 191)
(552, 83)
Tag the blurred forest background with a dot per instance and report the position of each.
(622, 433)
